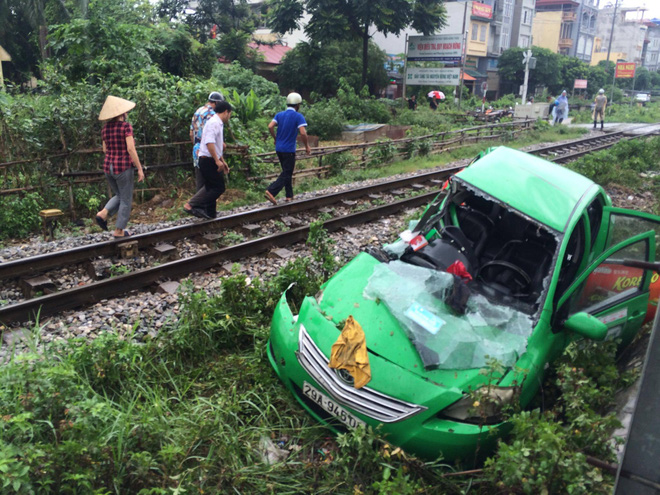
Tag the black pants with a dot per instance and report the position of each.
(284, 181)
(214, 186)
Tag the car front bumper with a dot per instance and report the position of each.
(415, 425)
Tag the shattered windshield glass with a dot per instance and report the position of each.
(468, 281)
(450, 328)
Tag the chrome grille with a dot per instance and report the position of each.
(363, 400)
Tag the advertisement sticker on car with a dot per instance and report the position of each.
(330, 406)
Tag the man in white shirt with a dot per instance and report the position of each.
(212, 165)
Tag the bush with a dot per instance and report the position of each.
(20, 216)
(325, 119)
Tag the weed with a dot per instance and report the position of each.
(117, 270)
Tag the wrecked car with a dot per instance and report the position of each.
(460, 317)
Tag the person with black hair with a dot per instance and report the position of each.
(199, 118)
(212, 165)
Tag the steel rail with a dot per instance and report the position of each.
(563, 146)
(38, 264)
(38, 308)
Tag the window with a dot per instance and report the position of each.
(580, 45)
(482, 35)
(505, 38)
(524, 41)
(611, 281)
(526, 17)
(475, 30)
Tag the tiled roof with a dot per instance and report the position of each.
(272, 53)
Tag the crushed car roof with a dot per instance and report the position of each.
(545, 191)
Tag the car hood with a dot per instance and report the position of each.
(343, 296)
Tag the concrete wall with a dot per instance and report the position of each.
(546, 30)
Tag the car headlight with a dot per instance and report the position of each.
(483, 406)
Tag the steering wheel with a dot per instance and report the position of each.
(494, 273)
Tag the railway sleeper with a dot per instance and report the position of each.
(164, 252)
(37, 286)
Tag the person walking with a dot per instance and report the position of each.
(412, 103)
(599, 108)
(289, 123)
(199, 118)
(212, 165)
(121, 160)
(561, 108)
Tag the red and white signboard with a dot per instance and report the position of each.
(482, 10)
(580, 84)
(625, 70)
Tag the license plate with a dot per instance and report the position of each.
(327, 404)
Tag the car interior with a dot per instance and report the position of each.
(507, 254)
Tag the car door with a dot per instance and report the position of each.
(611, 291)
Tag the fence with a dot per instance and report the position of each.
(81, 167)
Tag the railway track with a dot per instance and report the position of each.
(69, 298)
(60, 300)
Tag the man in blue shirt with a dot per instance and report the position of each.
(289, 123)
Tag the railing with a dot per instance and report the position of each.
(565, 42)
(568, 16)
(360, 155)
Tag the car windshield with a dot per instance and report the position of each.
(482, 275)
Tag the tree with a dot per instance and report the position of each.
(315, 67)
(337, 20)
(113, 40)
(512, 70)
(642, 78)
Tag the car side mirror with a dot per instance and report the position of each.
(586, 325)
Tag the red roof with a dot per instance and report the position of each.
(272, 54)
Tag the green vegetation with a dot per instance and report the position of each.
(197, 408)
(622, 165)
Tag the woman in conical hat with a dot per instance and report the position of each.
(121, 160)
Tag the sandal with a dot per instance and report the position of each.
(270, 197)
(101, 223)
(126, 234)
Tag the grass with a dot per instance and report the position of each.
(195, 409)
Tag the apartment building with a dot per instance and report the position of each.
(629, 36)
(566, 26)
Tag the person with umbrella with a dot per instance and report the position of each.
(433, 96)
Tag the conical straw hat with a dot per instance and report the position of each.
(114, 107)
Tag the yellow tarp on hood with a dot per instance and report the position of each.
(350, 353)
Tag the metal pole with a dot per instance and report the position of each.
(524, 94)
(463, 49)
(405, 71)
(611, 102)
(609, 45)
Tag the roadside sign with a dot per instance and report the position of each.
(484, 87)
(438, 48)
(580, 84)
(625, 70)
(526, 56)
(419, 76)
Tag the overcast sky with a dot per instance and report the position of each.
(652, 6)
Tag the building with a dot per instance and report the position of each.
(629, 35)
(4, 57)
(490, 27)
(566, 26)
(652, 45)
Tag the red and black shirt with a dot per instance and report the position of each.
(116, 153)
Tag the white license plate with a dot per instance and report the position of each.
(331, 406)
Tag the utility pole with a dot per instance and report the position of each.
(609, 45)
(463, 50)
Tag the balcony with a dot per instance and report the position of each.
(565, 42)
(568, 17)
